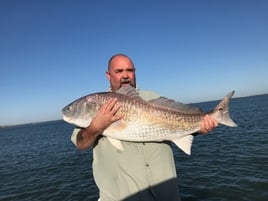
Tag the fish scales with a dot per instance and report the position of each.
(163, 124)
(168, 120)
(156, 120)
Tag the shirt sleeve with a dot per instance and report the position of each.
(74, 136)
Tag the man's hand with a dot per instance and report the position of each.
(207, 124)
(106, 115)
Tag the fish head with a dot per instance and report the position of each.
(80, 112)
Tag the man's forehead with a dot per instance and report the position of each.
(121, 61)
(114, 68)
(123, 67)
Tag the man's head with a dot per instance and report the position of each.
(121, 72)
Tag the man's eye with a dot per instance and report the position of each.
(131, 70)
(118, 71)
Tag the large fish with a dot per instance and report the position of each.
(156, 120)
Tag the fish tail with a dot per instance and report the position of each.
(221, 112)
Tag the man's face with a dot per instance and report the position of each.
(121, 73)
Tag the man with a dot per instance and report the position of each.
(143, 171)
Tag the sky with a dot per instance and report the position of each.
(55, 51)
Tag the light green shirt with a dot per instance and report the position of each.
(141, 172)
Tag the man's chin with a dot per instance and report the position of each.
(126, 84)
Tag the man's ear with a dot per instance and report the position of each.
(108, 75)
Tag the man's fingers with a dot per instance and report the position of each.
(117, 117)
(111, 107)
(110, 104)
(115, 108)
(208, 124)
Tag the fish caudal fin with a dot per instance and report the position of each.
(185, 143)
(221, 112)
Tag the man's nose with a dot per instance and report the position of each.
(125, 74)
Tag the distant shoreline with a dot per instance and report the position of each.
(26, 124)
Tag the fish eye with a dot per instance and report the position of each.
(69, 108)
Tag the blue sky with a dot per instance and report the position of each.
(54, 51)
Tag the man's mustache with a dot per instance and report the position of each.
(125, 81)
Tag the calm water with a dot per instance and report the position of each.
(38, 161)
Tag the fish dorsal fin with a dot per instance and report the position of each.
(185, 143)
(128, 91)
(170, 103)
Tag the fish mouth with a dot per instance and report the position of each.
(67, 119)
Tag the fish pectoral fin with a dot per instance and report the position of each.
(116, 127)
(116, 143)
(185, 143)
(112, 130)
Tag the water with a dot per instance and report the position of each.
(38, 161)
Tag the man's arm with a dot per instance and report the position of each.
(105, 116)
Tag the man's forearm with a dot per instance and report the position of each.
(86, 138)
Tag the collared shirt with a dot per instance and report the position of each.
(141, 172)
